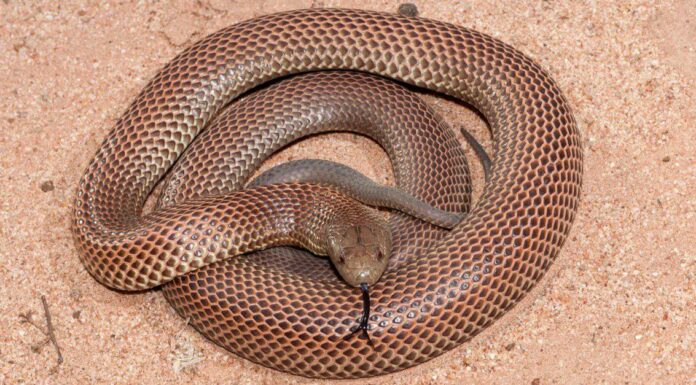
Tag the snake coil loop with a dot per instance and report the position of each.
(282, 308)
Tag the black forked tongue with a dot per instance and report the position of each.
(365, 315)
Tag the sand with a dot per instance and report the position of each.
(616, 308)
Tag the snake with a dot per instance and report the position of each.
(285, 309)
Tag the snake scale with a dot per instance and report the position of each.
(282, 308)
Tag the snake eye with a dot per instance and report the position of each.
(342, 260)
(380, 255)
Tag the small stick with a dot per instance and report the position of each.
(28, 317)
(51, 333)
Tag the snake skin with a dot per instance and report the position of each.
(436, 293)
(358, 186)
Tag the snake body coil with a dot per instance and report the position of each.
(283, 309)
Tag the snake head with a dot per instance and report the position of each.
(360, 252)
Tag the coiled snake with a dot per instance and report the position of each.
(282, 308)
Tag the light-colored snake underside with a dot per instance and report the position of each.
(285, 309)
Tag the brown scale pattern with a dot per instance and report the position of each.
(436, 294)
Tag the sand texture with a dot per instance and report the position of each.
(616, 308)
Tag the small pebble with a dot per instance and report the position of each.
(408, 9)
(47, 186)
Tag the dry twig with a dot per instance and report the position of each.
(49, 331)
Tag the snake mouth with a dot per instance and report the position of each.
(365, 317)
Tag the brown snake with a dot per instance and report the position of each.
(284, 309)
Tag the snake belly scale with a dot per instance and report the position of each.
(436, 294)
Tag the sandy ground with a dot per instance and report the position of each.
(617, 307)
